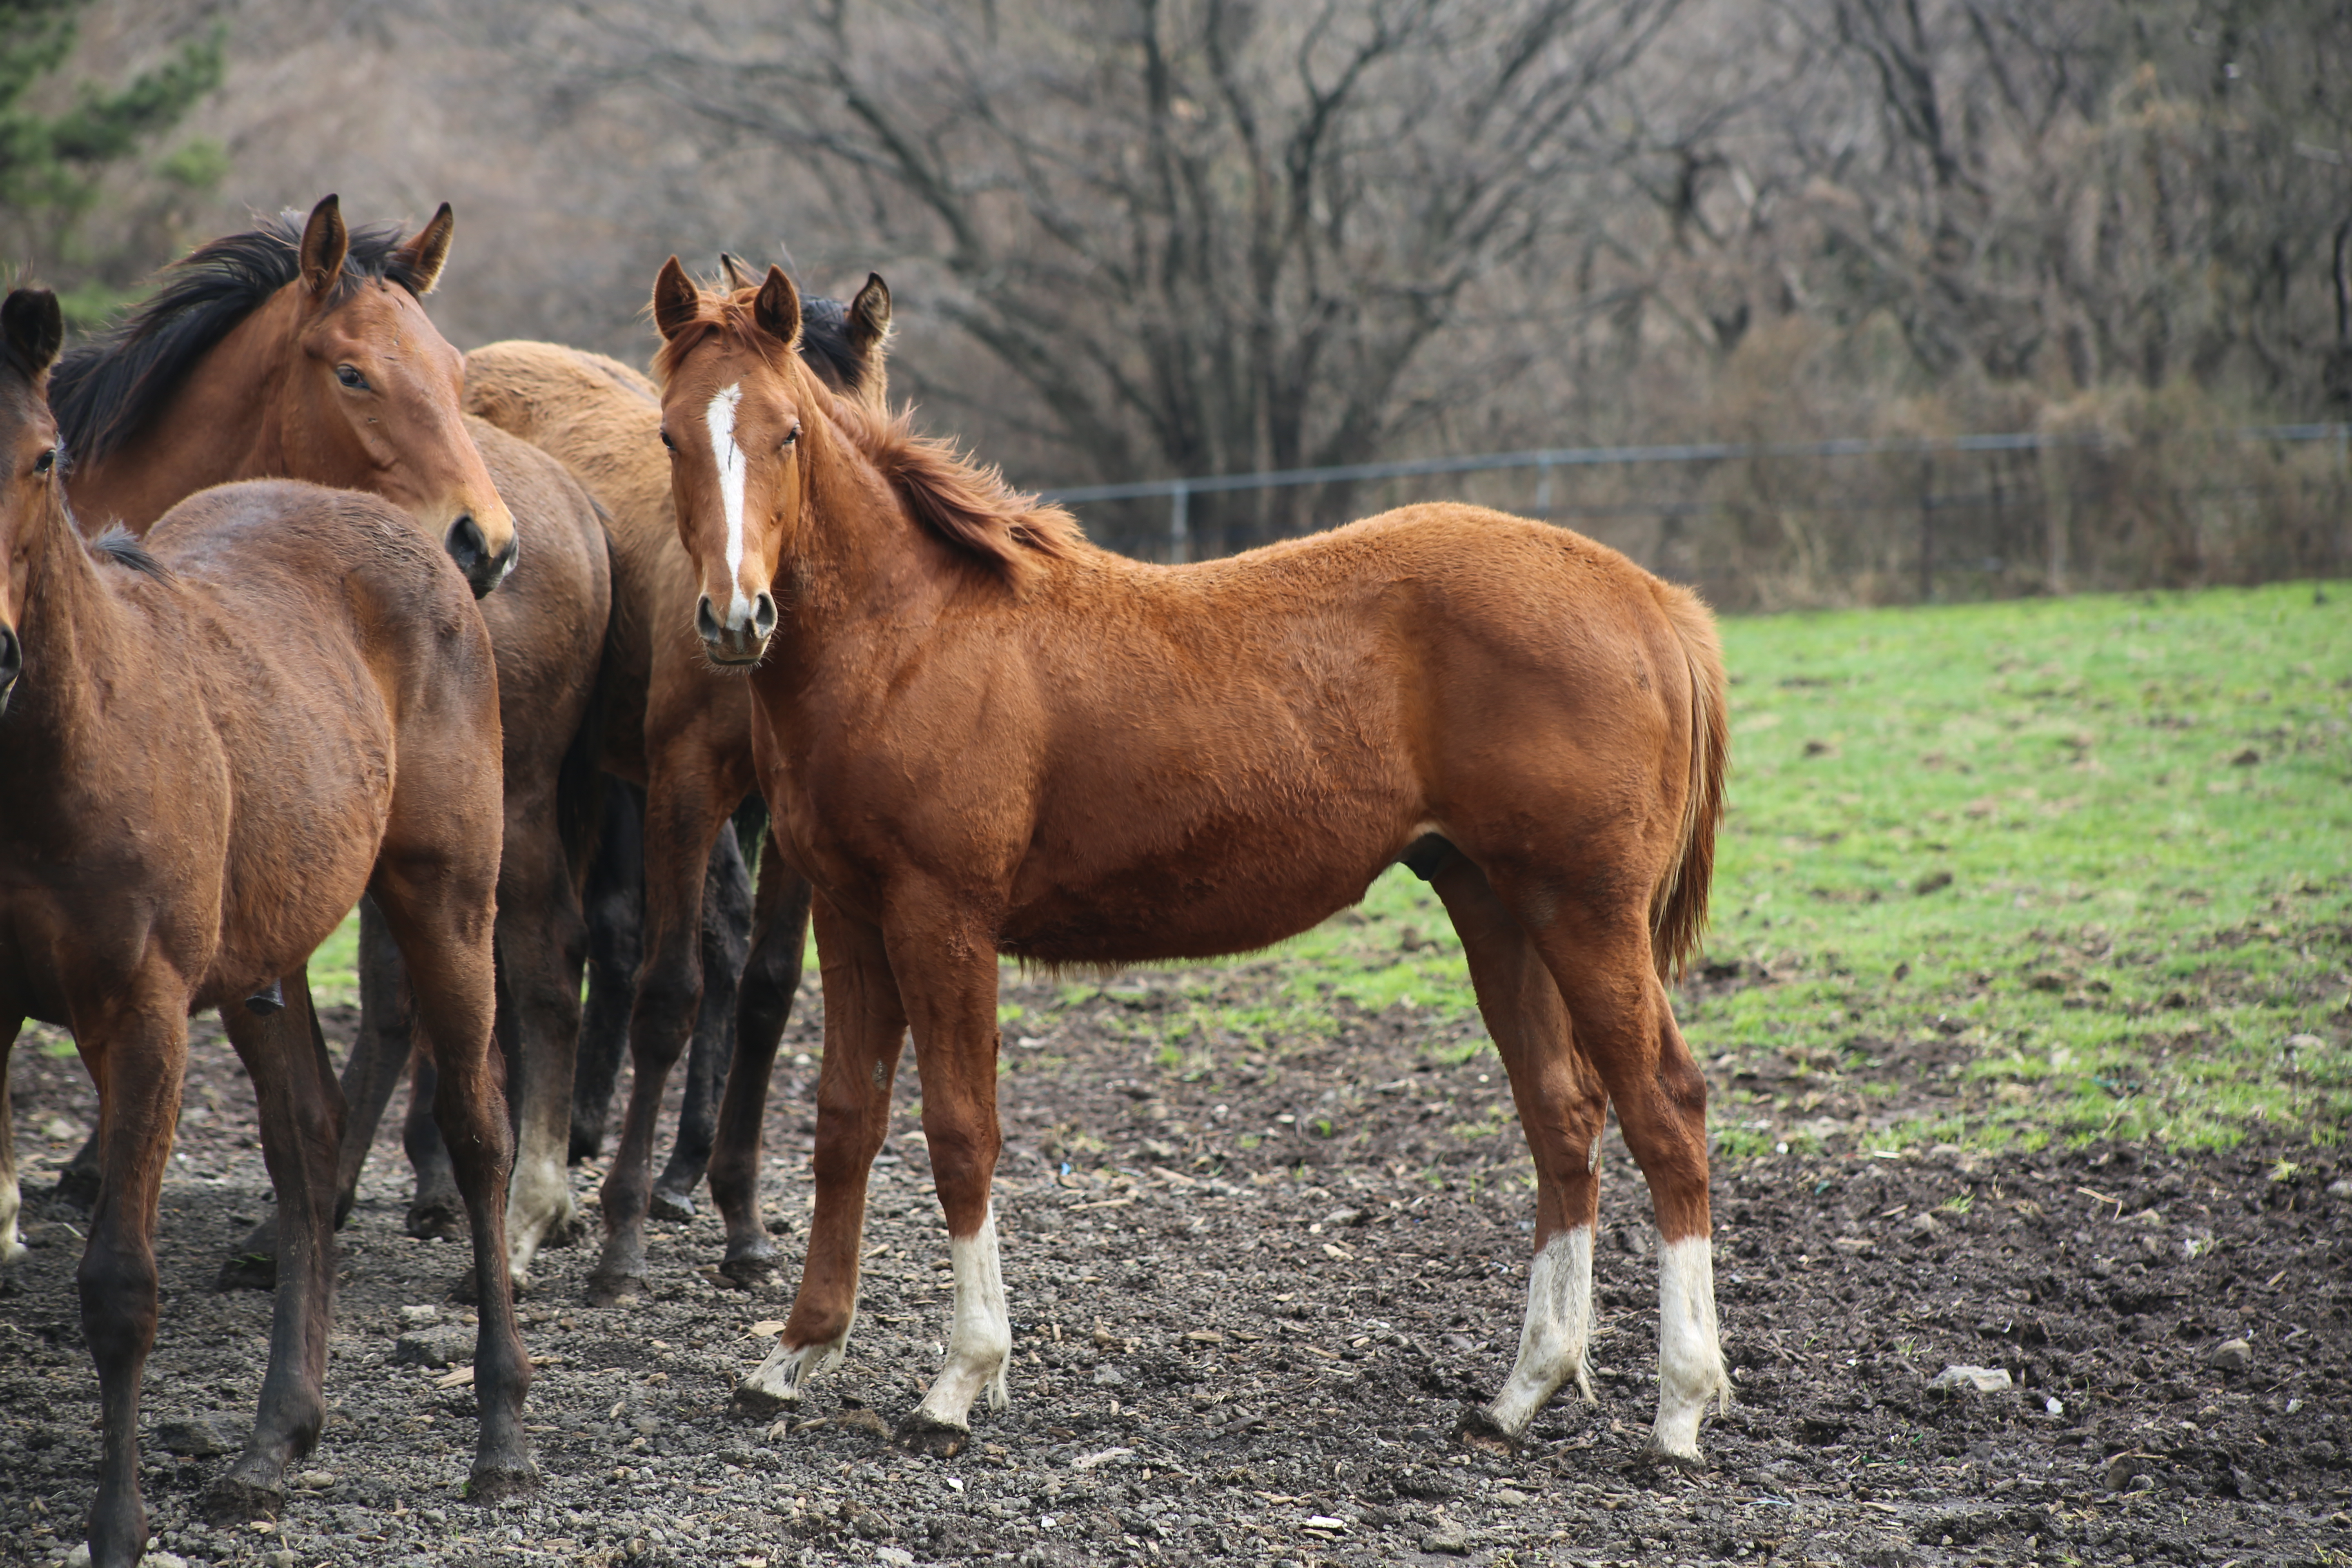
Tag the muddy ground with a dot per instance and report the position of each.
(1249, 1301)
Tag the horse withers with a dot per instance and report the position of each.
(213, 742)
(980, 735)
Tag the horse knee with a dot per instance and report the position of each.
(118, 1289)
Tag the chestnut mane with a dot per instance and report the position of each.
(963, 503)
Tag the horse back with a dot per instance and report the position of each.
(339, 657)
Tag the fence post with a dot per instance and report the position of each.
(1926, 530)
(1180, 524)
(1543, 490)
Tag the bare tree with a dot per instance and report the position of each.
(1205, 235)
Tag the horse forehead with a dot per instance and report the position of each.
(387, 318)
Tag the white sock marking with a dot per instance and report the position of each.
(721, 417)
(1690, 1351)
(980, 1341)
(1558, 1326)
(784, 1376)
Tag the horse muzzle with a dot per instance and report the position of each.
(11, 663)
(742, 638)
(483, 571)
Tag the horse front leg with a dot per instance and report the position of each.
(614, 905)
(137, 1053)
(950, 988)
(865, 1031)
(302, 1126)
(683, 814)
(771, 979)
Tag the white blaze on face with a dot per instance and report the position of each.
(980, 1340)
(721, 417)
(1558, 1323)
(1690, 1353)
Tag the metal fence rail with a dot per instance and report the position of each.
(1179, 544)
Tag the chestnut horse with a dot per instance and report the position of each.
(979, 734)
(211, 746)
(682, 735)
(301, 350)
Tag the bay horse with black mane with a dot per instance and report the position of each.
(683, 737)
(300, 349)
(210, 746)
(980, 735)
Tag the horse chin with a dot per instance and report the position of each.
(729, 658)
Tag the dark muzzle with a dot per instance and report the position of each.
(471, 551)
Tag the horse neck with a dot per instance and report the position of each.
(860, 556)
(74, 632)
(223, 423)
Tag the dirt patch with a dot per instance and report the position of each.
(1252, 1287)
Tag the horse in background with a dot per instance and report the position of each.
(980, 735)
(302, 348)
(684, 738)
(210, 746)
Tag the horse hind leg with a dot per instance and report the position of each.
(436, 898)
(1561, 1109)
(614, 905)
(726, 933)
(1626, 1025)
(771, 979)
(302, 1126)
(542, 946)
(12, 1202)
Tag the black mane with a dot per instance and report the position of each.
(122, 547)
(104, 389)
(824, 341)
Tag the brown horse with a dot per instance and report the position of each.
(212, 746)
(978, 735)
(685, 738)
(302, 351)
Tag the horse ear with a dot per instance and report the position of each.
(778, 307)
(677, 303)
(325, 243)
(33, 328)
(869, 318)
(426, 251)
(738, 275)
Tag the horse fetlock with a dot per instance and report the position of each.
(780, 1382)
(1691, 1370)
(752, 1264)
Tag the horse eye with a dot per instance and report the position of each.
(793, 434)
(350, 377)
(667, 442)
(45, 461)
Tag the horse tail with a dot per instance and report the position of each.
(580, 781)
(1678, 907)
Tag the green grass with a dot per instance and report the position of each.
(2092, 856)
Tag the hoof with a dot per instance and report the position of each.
(614, 1290)
(567, 1233)
(751, 1403)
(670, 1204)
(749, 1270)
(495, 1483)
(1479, 1429)
(237, 1499)
(248, 1271)
(922, 1433)
(1691, 1462)
(432, 1218)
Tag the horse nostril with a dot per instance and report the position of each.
(12, 656)
(468, 548)
(705, 620)
(764, 615)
